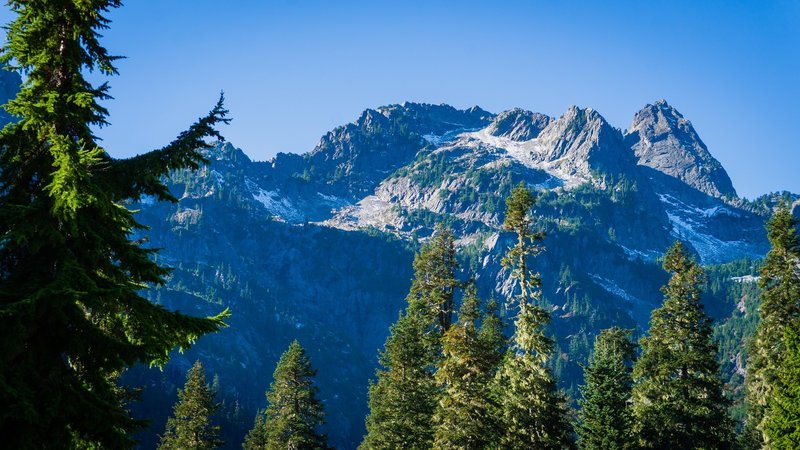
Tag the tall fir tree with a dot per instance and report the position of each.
(678, 399)
(782, 424)
(190, 426)
(466, 417)
(294, 413)
(534, 412)
(256, 438)
(780, 307)
(435, 277)
(71, 314)
(605, 420)
(403, 399)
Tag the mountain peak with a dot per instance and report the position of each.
(518, 124)
(581, 142)
(664, 140)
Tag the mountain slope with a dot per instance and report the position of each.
(319, 246)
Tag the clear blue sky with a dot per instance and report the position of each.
(293, 70)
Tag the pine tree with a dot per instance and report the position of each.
(403, 399)
(465, 417)
(782, 424)
(294, 414)
(256, 438)
(780, 306)
(190, 426)
(605, 420)
(678, 400)
(71, 314)
(534, 412)
(435, 276)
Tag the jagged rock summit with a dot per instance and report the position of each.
(518, 124)
(397, 162)
(664, 140)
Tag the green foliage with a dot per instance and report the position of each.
(403, 399)
(71, 316)
(466, 416)
(732, 295)
(491, 338)
(294, 414)
(190, 426)
(780, 307)
(435, 280)
(534, 413)
(518, 221)
(605, 418)
(677, 395)
(256, 438)
(782, 424)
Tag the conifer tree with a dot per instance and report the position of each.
(190, 426)
(403, 399)
(678, 400)
(256, 438)
(780, 306)
(465, 416)
(294, 414)
(605, 419)
(435, 276)
(782, 424)
(534, 412)
(71, 314)
(492, 340)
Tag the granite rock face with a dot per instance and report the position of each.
(664, 140)
(582, 142)
(518, 124)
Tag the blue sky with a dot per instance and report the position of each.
(293, 70)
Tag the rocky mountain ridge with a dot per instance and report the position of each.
(357, 176)
(318, 246)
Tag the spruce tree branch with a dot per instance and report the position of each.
(141, 175)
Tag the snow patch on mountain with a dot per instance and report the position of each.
(278, 206)
(528, 153)
(687, 223)
(612, 288)
(746, 279)
(371, 212)
(646, 255)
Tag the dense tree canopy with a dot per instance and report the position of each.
(466, 416)
(403, 398)
(677, 395)
(782, 424)
(779, 310)
(605, 420)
